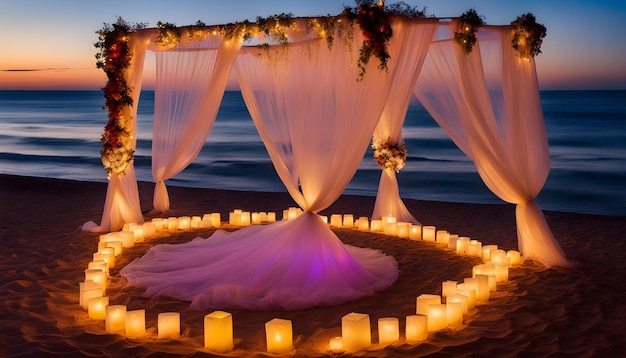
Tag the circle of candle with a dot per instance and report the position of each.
(218, 331)
(437, 317)
(423, 301)
(96, 308)
(115, 319)
(335, 344)
(355, 331)
(135, 324)
(388, 330)
(416, 328)
(279, 336)
(168, 325)
(428, 233)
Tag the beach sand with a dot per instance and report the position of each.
(578, 312)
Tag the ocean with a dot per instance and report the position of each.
(56, 134)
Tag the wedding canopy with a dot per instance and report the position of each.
(317, 100)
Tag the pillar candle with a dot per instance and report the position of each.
(279, 336)
(98, 276)
(423, 301)
(482, 286)
(263, 216)
(416, 328)
(271, 217)
(135, 324)
(138, 234)
(462, 245)
(90, 293)
(442, 237)
(452, 238)
(96, 308)
(498, 256)
(99, 265)
(428, 233)
(475, 248)
(469, 292)
(487, 251)
(115, 319)
(402, 229)
(355, 331)
(168, 325)
(196, 222)
(376, 225)
(388, 330)
(416, 232)
(336, 344)
(184, 223)
(218, 331)
(245, 218)
(454, 313)
(514, 257)
(363, 224)
(389, 225)
(348, 221)
(256, 218)
(158, 223)
(127, 237)
(84, 286)
(437, 317)
(448, 288)
(502, 272)
(149, 230)
(462, 299)
(107, 254)
(335, 220)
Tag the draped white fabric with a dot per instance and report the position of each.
(122, 200)
(490, 108)
(316, 122)
(188, 94)
(414, 37)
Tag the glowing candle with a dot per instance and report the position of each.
(448, 288)
(218, 331)
(294, 213)
(348, 220)
(184, 223)
(502, 272)
(335, 220)
(423, 301)
(462, 245)
(462, 299)
(498, 256)
(475, 248)
(437, 317)
(149, 230)
(256, 218)
(138, 234)
(83, 287)
(216, 219)
(158, 223)
(454, 313)
(355, 331)
(96, 308)
(376, 225)
(117, 247)
(416, 328)
(487, 251)
(279, 336)
(336, 344)
(99, 265)
(388, 330)
(98, 276)
(402, 229)
(271, 217)
(263, 216)
(245, 218)
(363, 224)
(416, 232)
(452, 238)
(196, 222)
(234, 217)
(168, 325)
(442, 237)
(514, 257)
(90, 293)
(389, 225)
(481, 285)
(135, 324)
(428, 233)
(128, 238)
(107, 254)
(115, 318)
(469, 292)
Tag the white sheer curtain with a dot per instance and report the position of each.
(415, 37)
(495, 117)
(316, 122)
(189, 89)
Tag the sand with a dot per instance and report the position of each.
(578, 312)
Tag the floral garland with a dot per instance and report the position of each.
(114, 58)
(467, 29)
(389, 156)
(527, 35)
(374, 23)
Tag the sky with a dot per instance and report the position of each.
(48, 44)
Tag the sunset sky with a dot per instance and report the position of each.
(49, 44)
